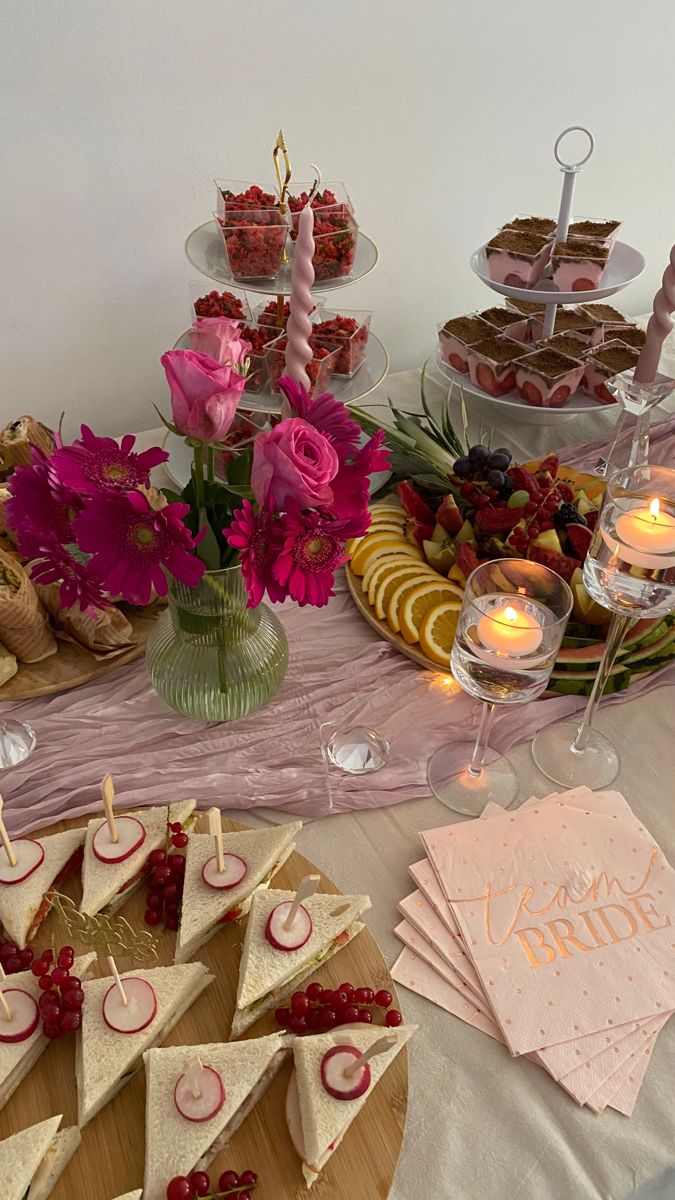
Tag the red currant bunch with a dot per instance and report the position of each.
(319, 1009)
(12, 959)
(189, 1187)
(62, 996)
(165, 885)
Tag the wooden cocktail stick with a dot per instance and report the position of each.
(7, 1012)
(108, 795)
(307, 888)
(378, 1047)
(11, 856)
(216, 831)
(118, 982)
(192, 1073)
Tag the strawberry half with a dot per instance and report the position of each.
(560, 563)
(579, 538)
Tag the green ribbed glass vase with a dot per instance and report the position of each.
(210, 656)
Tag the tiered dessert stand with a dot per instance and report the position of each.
(624, 265)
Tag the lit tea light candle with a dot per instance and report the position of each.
(510, 630)
(647, 529)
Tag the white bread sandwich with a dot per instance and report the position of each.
(322, 1099)
(196, 1099)
(112, 872)
(212, 898)
(41, 864)
(135, 1195)
(17, 1058)
(32, 1161)
(275, 960)
(114, 1036)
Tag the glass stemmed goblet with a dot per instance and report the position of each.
(630, 569)
(509, 631)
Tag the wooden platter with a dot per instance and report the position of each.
(360, 599)
(110, 1159)
(72, 666)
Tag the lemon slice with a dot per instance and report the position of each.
(437, 632)
(381, 545)
(417, 603)
(372, 539)
(381, 567)
(391, 578)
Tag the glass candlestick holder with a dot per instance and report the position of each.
(509, 631)
(629, 569)
(630, 446)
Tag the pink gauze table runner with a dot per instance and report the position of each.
(340, 673)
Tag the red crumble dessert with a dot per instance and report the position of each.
(547, 379)
(527, 307)
(499, 317)
(319, 369)
(516, 258)
(349, 334)
(578, 265)
(220, 304)
(595, 231)
(492, 364)
(258, 336)
(544, 226)
(459, 333)
(268, 314)
(254, 242)
(565, 343)
(252, 197)
(333, 197)
(334, 243)
(606, 361)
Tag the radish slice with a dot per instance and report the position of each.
(29, 856)
(25, 1016)
(333, 1066)
(207, 1104)
(130, 835)
(235, 870)
(137, 1013)
(293, 1118)
(288, 939)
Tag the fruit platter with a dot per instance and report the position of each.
(407, 573)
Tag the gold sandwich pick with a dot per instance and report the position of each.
(109, 934)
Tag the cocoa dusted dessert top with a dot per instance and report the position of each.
(564, 343)
(520, 245)
(529, 308)
(498, 316)
(594, 229)
(616, 356)
(602, 312)
(566, 319)
(542, 225)
(550, 364)
(467, 329)
(631, 335)
(498, 349)
(592, 251)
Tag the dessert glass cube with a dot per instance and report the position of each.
(459, 333)
(266, 313)
(240, 195)
(335, 233)
(349, 333)
(332, 197)
(578, 265)
(319, 368)
(570, 344)
(215, 303)
(499, 317)
(528, 308)
(517, 259)
(603, 232)
(544, 226)
(567, 320)
(630, 335)
(547, 379)
(603, 364)
(258, 336)
(492, 364)
(255, 241)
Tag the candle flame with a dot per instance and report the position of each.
(654, 507)
(510, 613)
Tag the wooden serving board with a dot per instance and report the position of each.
(110, 1159)
(72, 665)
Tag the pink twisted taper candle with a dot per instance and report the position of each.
(659, 326)
(301, 303)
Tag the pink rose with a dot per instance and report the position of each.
(204, 394)
(219, 338)
(293, 463)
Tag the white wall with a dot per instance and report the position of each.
(439, 115)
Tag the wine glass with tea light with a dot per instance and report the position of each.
(630, 570)
(509, 632)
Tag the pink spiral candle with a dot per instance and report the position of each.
(659, 326)
(301, 304)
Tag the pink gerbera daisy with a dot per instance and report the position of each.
(329, 416)
(52, 563)
(312, 550)
(257, 538)
(132, 545)
(351, 486)
(94, 464)
(39, 504)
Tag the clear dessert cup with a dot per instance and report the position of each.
(594, 230)
(547, 379)
(567, 320)
(570, 344)
(348, 332)
(335, 234)
(255, 242)
(216, 302)
(258, 336)
(602, 364)
(332, 197)
(542, 226)
(457, 334)
(578, 265)
(240, 194)
(517, 259)
(269, 313)
(319, 369)
(492, 364)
